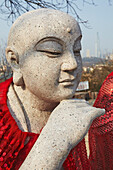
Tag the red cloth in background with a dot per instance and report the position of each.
(101, 131)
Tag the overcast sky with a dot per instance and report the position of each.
(100, 20)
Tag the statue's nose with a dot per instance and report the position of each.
(69, 63)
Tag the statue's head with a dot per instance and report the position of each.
(44, 53)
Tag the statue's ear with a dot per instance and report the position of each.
(13, 59)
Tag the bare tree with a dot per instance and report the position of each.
(14, 8)
(5, 69)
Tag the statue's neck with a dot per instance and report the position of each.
(35, 110)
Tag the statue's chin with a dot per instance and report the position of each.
(67, 97)
(62, 97)
(55, 95)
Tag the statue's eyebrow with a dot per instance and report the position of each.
(50, 39)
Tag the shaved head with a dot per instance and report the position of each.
(35, 25)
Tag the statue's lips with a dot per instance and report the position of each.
(67, 82)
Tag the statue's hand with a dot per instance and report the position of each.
(67, 125)
(71, 119)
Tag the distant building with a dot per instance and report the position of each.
(88, 69)
(111, 56)
(88, 53)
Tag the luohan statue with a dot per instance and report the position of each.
(44, 52)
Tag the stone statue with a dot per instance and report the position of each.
(44, 52)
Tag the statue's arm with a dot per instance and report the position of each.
(66, 127)
(49, 151)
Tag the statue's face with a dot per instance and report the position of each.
(52, 66)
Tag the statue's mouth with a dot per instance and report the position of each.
(67, 82)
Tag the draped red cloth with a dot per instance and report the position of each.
(13, 149)
(101, 131)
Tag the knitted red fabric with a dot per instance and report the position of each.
(77, 159)
(12, 139)
(12, 149)
(101, 131)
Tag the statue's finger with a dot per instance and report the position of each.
(97, 112)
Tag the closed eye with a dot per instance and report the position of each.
(50, 52)
(50, 47)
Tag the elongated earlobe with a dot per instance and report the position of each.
(18, 78)
(13, 59)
